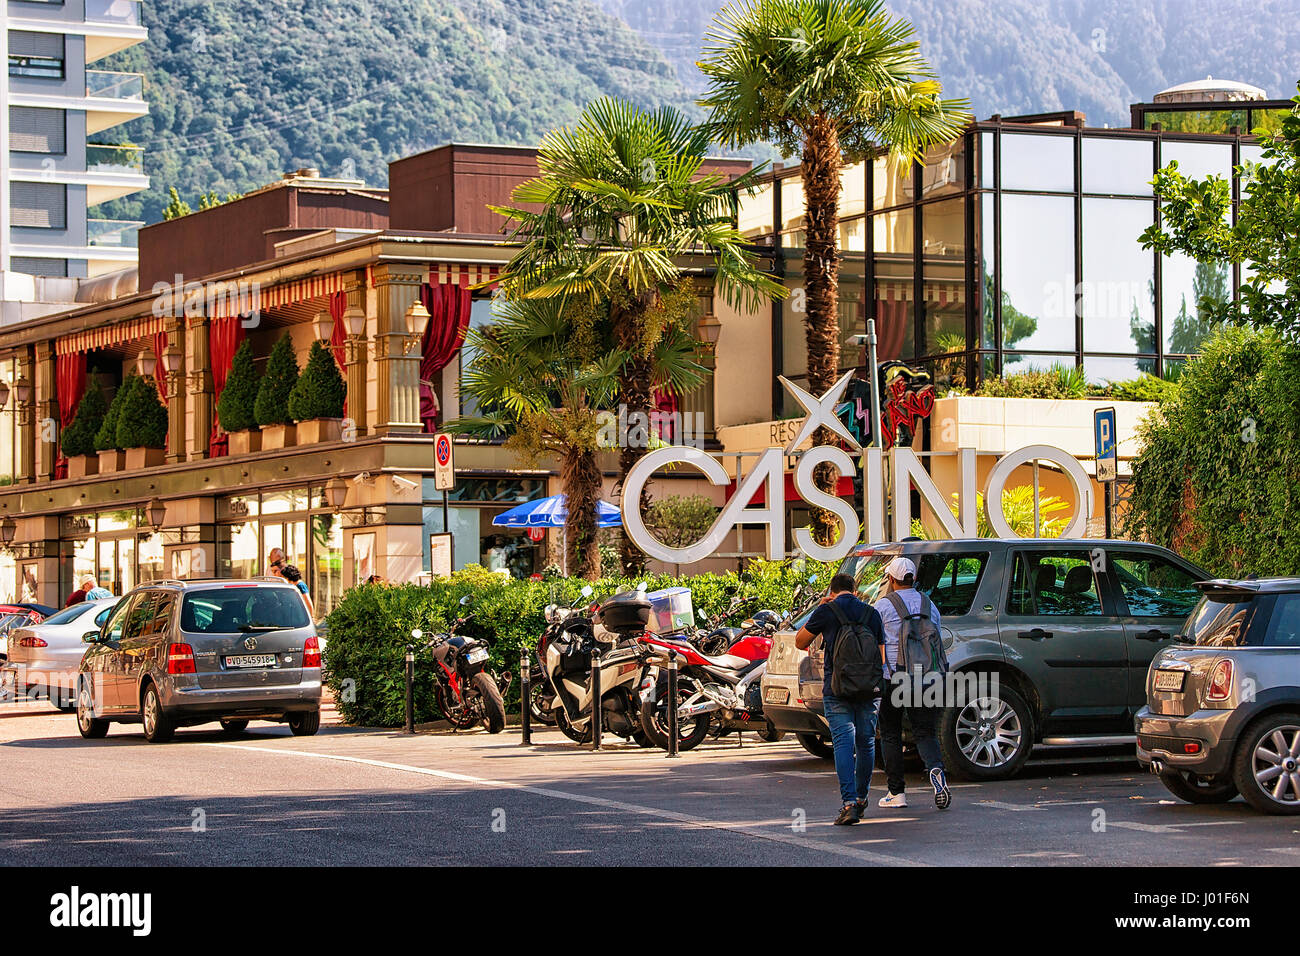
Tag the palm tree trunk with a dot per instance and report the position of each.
(635, 387)
(581, 478)
(822, 163)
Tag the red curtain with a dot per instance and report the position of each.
(69, 389)
(664, 401)
(224, 336)
(449, 311)
(160, 372)
(338, 303)
(892, 318)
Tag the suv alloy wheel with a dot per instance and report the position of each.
(989, 738)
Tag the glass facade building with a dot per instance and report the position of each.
(1013, 248)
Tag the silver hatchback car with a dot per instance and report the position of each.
(177, 653)
(1222, 715)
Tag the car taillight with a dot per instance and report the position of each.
(1220, 681)
(180, 659)
(311, 653)
(32, 642)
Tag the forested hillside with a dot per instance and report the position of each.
(240, 92)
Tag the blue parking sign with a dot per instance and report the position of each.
(1103, 423)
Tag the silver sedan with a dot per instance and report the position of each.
(43, 658)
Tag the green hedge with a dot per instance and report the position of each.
(271, 407)
(79, 437)
(369, 630)
(142, 417)
(1218, 476)
(235, 406)
(319, 391)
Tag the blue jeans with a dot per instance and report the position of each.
(853, 733)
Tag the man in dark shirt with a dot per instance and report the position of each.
(853, 724)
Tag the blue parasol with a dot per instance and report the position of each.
(551, 513)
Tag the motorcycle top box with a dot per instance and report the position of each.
(626, 614)
(671, 612)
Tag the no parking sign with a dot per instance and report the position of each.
(444, 475)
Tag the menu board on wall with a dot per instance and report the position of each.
(440, 555)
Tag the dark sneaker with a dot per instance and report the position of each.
(848, 815)
(860, 808)
(942, 795)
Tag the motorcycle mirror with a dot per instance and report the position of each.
(588, 591)
(812, 579)
(641, 586)
(416, 633)
(465, 599)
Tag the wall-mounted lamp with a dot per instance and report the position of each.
(708, 328)
(155, 513)
(23, 390)
(171, 359)
(323, 326)
(4, 394)
(417, 320)
(356, 321)
(336, 493)
(8, 528)
(146, 364)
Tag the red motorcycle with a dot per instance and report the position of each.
(715, 693)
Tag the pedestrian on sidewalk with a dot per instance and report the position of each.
(853, 655)
(294, 577)
(911, 622)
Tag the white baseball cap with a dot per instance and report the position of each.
(900, 568)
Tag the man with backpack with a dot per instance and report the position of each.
(853, 662)
(914, 660)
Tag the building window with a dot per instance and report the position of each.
(38, 205)
(33, 266)
(33, 130)
(36, 54)
(1113, 166)
(1118, 294)
(10, 463)
(1037, 162)
(1038, 272)
(1198, 160)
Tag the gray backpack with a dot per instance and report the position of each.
(920, 645)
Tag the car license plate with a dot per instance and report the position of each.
(251, 660)
(776, 695)
(1170, 680)
(476, 655)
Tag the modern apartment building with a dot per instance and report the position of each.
(66, 152)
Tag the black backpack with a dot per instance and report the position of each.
(857, 673)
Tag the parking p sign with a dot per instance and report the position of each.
(1103, 420)
(444, 474)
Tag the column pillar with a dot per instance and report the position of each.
(198, 365)
(172, 365)
(398, 287)
(354, 350)
(38, 429)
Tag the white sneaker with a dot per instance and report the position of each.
(893, 800)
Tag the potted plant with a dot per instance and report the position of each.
(111, 457)
(235, 407)
(78, 439)
(316, 402)
(271, 408)
(142, 424)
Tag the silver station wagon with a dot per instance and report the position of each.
(178, 653)
(1222, 715)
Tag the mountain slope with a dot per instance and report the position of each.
(1030, 56)
(241, 92)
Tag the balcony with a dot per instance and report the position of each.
(122, 12)
(102, 158)
(109, 85)
(115, 233)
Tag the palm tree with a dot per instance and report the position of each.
(827, 80)
(621, 200)
(541, 374)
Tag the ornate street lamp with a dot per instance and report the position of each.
(4, 394)
(417, 320)
(146, 364)
(708, 328)
(23, 390)
(155, 513)
(171, 359)
(323, 326)
(336, 492)
(356, 321)
(8, 528)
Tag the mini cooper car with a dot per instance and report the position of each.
(1222, 715)
(177, 653)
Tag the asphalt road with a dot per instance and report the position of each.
(348, 797)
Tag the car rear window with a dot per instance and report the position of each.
(1219, 620)
(68, 614)
(228, 610)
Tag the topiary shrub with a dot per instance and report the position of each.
(142, 420)
(271, 407)
(320, 390)
(106, 436)
(371, 626)
(235, 406)
(79, 437)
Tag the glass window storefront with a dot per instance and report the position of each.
(1188, 287)
(1198, 160)
(475, 540)
(1038, 161)
(1118, 293)
(1114, 166)
(1038, 272)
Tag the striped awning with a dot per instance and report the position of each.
(108, 335)
(463, 274)
(939, 293)
(244, 295)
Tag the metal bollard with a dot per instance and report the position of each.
(525, 696)
(410, 688)
(672, 704)
(595, 698)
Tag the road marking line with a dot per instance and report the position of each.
(999, 805)
(881, 859)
